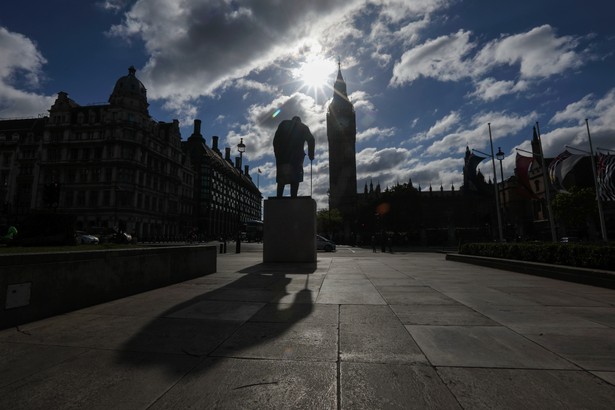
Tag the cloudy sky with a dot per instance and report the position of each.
(425, 76)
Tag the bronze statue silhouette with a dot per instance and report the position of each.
(288, 144)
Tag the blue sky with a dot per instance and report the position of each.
(425, 76)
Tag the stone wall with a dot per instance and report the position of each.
(35, 286)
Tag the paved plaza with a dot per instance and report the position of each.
(357, 330)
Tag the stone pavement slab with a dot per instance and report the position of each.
(483, 346)
(527, 389)
(354, 330)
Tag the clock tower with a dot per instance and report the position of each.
(341, 134)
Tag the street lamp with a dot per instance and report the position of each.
(329, 212)
(241, 147)
(500, 157)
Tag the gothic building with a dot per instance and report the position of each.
(113, 166)
(341, 135)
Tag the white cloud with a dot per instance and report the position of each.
(378, 134)
(20, 74)
(600, 113)
(442, 58)
(192, 44)
(476, 134)
(539, 53)
(491, 89)
(444, 124)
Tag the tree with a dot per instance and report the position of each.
(328, 222)
(575, 207)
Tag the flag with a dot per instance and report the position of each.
(554, 171)
(522, 171)
(472, 162)
(259, 171)
(469, 170)
(606, 177)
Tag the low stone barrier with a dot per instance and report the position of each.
(35, 286)
(594, 277)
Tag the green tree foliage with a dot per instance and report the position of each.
(328, 222)
(573, 208)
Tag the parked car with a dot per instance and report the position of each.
(85, 238)
(119, 237)
(323, 244)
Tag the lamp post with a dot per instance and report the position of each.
(495, 182)
(241, 147)
(329, 212)
(500, 157)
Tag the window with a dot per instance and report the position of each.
(94, 198)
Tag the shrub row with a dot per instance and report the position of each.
(596, 256)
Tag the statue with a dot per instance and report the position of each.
(288, 144)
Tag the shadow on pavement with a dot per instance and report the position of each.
(215, 323)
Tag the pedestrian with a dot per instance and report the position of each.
(374, 243)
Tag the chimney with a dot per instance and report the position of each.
(197, 127)
(246, 170)
(227, 154)
(214, 144)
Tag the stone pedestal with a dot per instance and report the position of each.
(289, 232)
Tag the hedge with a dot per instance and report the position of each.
(596, 256)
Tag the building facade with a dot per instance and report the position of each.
(112, 166)
(341, 135)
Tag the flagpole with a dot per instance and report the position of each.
(495, 184)
(546, 183)
(600, 212)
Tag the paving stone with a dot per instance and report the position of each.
(286, 312)
(224, 383)
(378, 343)
(393, 386)
(288, 341)
(402, 281)
(549, 297)
(20, 360)
(527, 389)
(98, 380)
(415, 295)
(218, 310)
(482, 346)
(349, 292)
(609, 377)
(458, 315)
(485, 298)
(368, 314)
(590, 348)
(163, 335)
(601, 315)
(536, 319)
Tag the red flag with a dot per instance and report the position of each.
(522, 171)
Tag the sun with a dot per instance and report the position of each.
(314, 72)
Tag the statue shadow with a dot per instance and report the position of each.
(228, 318)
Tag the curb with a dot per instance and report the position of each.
(594, 277)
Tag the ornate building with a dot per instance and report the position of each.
(341, 134)
(113, 166)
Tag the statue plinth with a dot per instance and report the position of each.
(289, 231)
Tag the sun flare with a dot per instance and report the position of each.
(315, 72)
